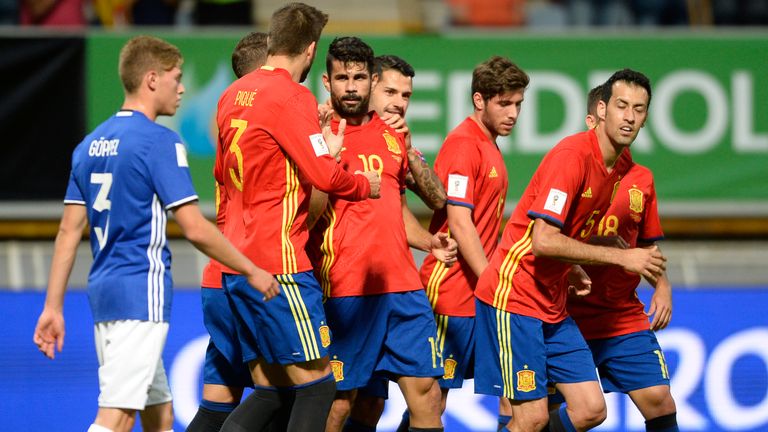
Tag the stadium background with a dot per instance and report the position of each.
(706, 140)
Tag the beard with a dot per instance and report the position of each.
(350, 111)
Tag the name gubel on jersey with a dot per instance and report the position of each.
(103, 147)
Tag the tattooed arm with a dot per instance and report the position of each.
(423, 181)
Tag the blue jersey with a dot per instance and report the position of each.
(128, 172)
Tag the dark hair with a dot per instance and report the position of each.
(384, 63)
(349, 49)
(592, 98)
(628, 76)
(293, 28)
(250, 53)
(497, 75)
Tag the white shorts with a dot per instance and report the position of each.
(131, 372)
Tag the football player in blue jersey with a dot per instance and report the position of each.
(125, 176)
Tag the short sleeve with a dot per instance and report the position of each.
(457, 165)
(651, 231)
(558, 181)
(169, 171)
(73, 195)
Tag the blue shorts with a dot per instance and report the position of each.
(456, 338)
(629, 362)
(378, 386)
(223, 358)
(290, 328)
(515, 355)
(388, 335)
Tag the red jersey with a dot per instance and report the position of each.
(212, 271)
(273, 153)
(472, 168)
(612, 308)
(360, 248)
(571, 188)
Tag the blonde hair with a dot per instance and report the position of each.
(142, 54)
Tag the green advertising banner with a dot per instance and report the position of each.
(706, 138)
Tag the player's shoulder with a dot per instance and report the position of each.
(640, 173)
(580, 142)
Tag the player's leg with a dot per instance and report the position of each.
(224, 374)
(157, 415)
(510, 362)
(571, 366)
(412, 353)
(358, 325)
(129, 354)
(505, 414)
(285, 342)
(634, 364)
(657, 406)
(340, 410)
(368, 406)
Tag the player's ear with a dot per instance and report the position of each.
(310, 51)
(151, 79)
(478, 101)
(374, 79)
(326, 82)
(601, 108)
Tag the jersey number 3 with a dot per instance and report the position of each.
(102, 203)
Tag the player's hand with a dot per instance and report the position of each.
(324, 113)
(444, 248)
(609, 241)
(49, 332)
(264, 283)
(334, 141)
(374, 180)
(579, 283)
(661, 307)
(648, 262)
(398, 123)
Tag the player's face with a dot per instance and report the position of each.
(500, 112)
(625, 113)
(169, 91)
(350, 88)
(392, 93)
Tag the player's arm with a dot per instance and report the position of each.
(49, 332)
(439, 244)
(463, 229)
(318, 201)
(421, 178)
(209, 240)
(661, 301)
(423, 181)
(549, 242)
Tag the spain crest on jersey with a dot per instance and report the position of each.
(526, 380)
(636, 200)
(392, 144)
(450, 369)
(337, 367)
(325, 336)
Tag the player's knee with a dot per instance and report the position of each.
(591, 415)
(342, 404)
(658, 402)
